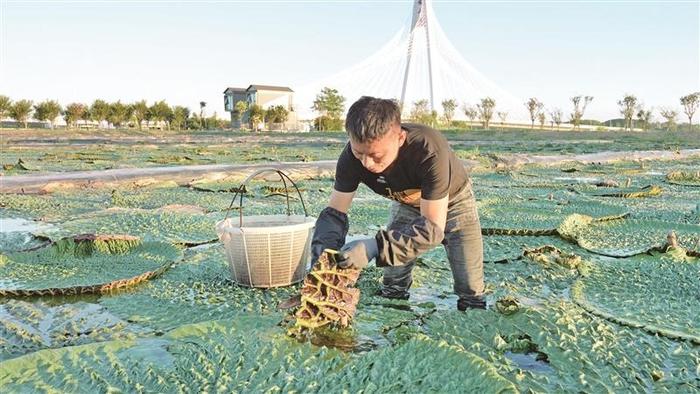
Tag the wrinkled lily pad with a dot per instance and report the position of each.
(150, 225)
(626, 237)
(653, 292)
(79, 267)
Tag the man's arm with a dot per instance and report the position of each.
(341, 201)
(435, 211)
(332, 224)
(400, 245)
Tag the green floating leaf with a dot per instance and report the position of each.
(197, 288)
(684, 178)
(502, 248)
(626, 237)
(557, 337)
(21, 165)
(49, 207)
(71, 267)
(156, 198)
(26, 327)
(247, 354)
(646, 191)
(536, 216)
(653, 292)
(149, 225)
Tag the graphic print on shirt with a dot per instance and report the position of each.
(408, 196)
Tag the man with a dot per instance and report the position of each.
(433, 202)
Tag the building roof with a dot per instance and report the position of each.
(234, 90)
(268, 87)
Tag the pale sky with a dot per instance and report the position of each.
(190, 51)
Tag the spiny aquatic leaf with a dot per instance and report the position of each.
(558, 337)
(646, 191)
(150, 225)
(684, 178)
(79, 267)
(198, 287)
(537, 215)
(652, 292)
(231, 357)
(26, 327)
(626, 237)
(49, 208)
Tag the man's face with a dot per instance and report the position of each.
(378, 154)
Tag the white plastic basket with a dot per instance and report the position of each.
(267, 250)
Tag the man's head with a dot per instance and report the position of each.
(374, 127)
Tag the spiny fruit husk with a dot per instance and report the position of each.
(327, 296)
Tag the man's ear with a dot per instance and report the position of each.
(402, 136)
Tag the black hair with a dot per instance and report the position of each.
(370, 118)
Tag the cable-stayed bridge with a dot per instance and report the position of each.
(418, 63)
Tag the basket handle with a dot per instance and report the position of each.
(283, 177)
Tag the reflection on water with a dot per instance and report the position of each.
(16, 234)
(533, 361)
(18, 224)
(346, 339)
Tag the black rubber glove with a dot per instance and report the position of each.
(398, 246)
(331, 229)
(357, 254)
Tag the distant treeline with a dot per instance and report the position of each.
(115, 115)
(330, 106)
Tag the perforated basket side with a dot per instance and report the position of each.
(261, 258)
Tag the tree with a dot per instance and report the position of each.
(485, 109)
(277, 114)
(503, 116)
(73, 113)
(329, 104)
(239, 109)
(202, 104)
(448, 110)
(213, 122)
(628, 104)
(47, 111)
(644, 117)
(180, 115)
(420, 113)
(470, 112)
(670, 116)
(193, 122)
(99, 111)
(139, 112)
(119, 113)
(541, 117)
(690, 105)
(21, 111)
(161, 112)
(433, 119)
(5, 105)
(579, 109)
(535, 107)
(256, 116)
(556, 114)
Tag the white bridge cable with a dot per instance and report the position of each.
(382, 75)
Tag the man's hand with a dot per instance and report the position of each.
(357, 254)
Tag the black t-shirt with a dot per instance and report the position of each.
(426, 167)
